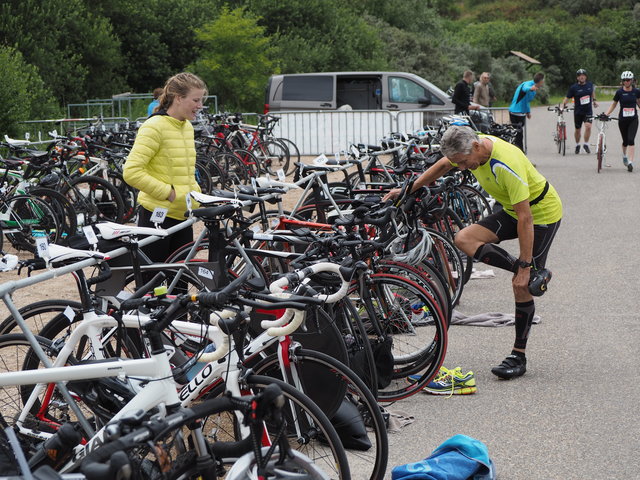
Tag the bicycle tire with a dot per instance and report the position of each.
(480, 206)
(320, 441)
(26, 215)
(446, 259)
(128, 194)
(95, 199)
(600, 152)
(425, 276)
(294, 154)
(65, 213)
(235, 171)
(319, 365)
(37, 315)
(564, 139)
(415, 348)
(251, 161)
(203, 177)
(274, 156)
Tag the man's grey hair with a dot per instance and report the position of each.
(458, 139)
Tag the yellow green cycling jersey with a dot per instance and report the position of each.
(509, 177)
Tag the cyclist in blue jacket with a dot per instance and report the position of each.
(519, 110)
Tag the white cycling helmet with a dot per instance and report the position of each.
(626, 75)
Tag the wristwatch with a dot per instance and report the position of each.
(522, 264)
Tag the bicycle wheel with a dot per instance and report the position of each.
(27, 216)
(128, 194)
(38, 314)
(478, 203)
(600, 152)
(94, 199)
(563, 141)
(446, 259)
(98, 399)
(308, 428)
(558, 137)
(65, 213)
(408, 314)
(253, 164)
(294, 154)
(314, 368)
(273, 155)
(234, 170)
(203, 177)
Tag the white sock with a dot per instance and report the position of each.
(586, 144)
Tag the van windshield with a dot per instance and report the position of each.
(403, 90)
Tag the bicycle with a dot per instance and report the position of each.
(601, 142)
(156, 376)
(560, 132)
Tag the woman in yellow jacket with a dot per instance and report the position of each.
(161, 164)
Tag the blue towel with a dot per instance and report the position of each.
(459, 458)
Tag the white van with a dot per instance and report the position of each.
(353, 91)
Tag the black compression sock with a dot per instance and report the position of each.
(495, 256)
(524, 319)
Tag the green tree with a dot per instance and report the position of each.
(236, 59)
(334, 34)
(23, 95)
(157, 37)
(73, 49)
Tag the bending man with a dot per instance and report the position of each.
(531, 212)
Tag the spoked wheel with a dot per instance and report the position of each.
(563, 140)
(600, 152)
(558, 138)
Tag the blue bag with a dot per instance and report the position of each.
(459, 458)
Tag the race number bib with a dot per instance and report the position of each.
(629, 112)
(586, 100)
(159, 215)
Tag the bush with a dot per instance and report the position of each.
(23, 95)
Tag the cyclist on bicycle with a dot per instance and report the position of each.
(583, 95)
(531, 212)
(627, 95)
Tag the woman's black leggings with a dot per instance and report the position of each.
(628, 129)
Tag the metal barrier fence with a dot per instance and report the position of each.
(316, 132)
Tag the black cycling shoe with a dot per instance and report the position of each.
(511, 367)
(586, 149)
(630, 167)
(577, 149)
(538, 281)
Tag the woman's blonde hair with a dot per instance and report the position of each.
(179, 86)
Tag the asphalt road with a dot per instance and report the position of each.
(574, 414)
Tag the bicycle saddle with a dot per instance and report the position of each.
(110, 230)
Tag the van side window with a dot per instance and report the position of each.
(308, 88)
(403, 90)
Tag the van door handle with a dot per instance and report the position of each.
(325, 104)
(392, 105)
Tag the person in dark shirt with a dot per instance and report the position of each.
(462, 94)
(627, 96)
(583, 94)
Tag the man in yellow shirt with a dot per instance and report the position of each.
(531, 212)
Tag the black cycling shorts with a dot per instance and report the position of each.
(628, 129)
(506, 228)
(580, 118)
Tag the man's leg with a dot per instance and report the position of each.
(515, 364)
(478, 241)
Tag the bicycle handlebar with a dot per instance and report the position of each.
(297, 276)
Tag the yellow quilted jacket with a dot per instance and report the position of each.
(163, 155)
